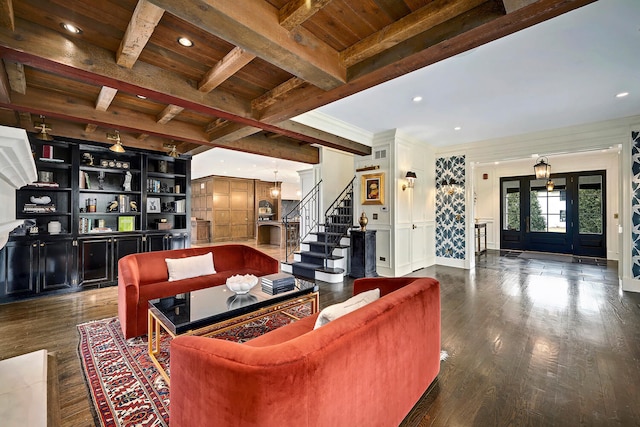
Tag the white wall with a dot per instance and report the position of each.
(336, 170)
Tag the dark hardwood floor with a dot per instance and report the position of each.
(529, 342)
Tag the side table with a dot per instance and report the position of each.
(363, 253)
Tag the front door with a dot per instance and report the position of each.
(569, 218)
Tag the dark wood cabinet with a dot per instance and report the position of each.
(89, 208)
(363, 253)
(38, 266)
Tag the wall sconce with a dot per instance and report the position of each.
(448, 185)
(117, 147)
(411, 179)
(542, 168)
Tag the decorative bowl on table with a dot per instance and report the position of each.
(241, 284)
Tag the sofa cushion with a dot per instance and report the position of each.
(193, 266)
(334, 311)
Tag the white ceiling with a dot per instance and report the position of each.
(562, 72)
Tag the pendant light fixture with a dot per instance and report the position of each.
(550, 185)
(43, 128)
(275, 191)
(542, 168)
(117, 147)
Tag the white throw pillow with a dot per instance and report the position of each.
(193, 266)
(334, 311)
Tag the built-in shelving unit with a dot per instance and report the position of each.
(90, 207)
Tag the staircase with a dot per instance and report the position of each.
(324, 249)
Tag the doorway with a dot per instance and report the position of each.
(568, 218)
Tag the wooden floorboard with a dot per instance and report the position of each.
(530, 342)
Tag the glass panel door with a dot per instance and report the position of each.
(590, 238)
(511, 219)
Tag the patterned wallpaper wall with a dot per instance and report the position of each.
(450, 208)
(635, 205)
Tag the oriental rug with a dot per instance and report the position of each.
(126, 388)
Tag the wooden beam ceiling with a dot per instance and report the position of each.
(15, 73)
(227, 67)
(144, 20)
(105, 98)
(5, 88)
(297, 12)
(7, 19)
(253, 25)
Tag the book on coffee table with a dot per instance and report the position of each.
(278, 282)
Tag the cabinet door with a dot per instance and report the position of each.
(125, 245)
(94, 261)
(157, 242)
(21, 269)
(56, 264)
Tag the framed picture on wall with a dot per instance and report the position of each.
(372, 189)
(153, 204)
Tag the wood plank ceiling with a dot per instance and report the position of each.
(254, 64)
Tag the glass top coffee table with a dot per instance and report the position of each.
(209, 311)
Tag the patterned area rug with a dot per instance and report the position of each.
(125, 386)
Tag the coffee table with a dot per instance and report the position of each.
(209, 311)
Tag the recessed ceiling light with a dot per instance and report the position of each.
(185, 42)
(622, 94)
(71, 28)
(457, 128)
(141, 96)
(496, 163)
(417, 98)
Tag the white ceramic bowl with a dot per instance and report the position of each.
(241, 284)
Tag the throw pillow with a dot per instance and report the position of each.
(334, 311)
(193, 266)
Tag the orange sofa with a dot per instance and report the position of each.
(366, 368)
(144, 276)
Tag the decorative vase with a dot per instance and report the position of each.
(363, 221)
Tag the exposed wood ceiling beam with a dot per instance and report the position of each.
(259, 144)
(17, 78)
(328, 139)
(90, 128)
(49, 50)
(511, 5)
(25, 120)
(6, 14)
(142, 136)
(168, 114)
(274, 94)
(296, 12)
(253, 25)
(475, 28)
(75, 110)
(230, 131)
(144, 20)
(214, 124)
(227, 67)
(5, 88)
(105, 98)
(427, 17)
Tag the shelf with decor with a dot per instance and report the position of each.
(167, 202)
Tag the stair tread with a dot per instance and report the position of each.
(315, 267)
(325, 244)
(320, 255)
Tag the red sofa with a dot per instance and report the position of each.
(144, 276)
(366, 368)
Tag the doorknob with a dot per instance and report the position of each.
(414, 226)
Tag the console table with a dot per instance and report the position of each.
(481, 231)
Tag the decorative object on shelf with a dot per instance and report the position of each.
(275, 191)
(126, 223)
(542, 168)
(177, 188)
(411, 179)
(163, 224)
(42, 200)
(173, 152)
(117, 147)
(241, 285)
(363, 221)
(162, 166)
(101, 180)
(133, 206)
(54, 227)
(87, 159)
(43, 128)
(153, 204)
(127, 181)
(45, 176)
(91, 204)
(372, 189)
(113, 206)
